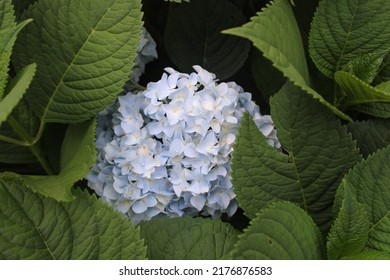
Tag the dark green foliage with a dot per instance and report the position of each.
(34, 227)
(321, 67)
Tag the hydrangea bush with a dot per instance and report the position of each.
(166, 151)
(110, 151)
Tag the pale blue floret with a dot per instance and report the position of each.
(167, 151)
(146, 53)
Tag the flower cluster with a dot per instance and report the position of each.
(146, 53)
(167, 150)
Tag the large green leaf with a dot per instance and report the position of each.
(193, 37)
(34, 227)
(188, 238)
(370, 135)
(281, 231)
(349, 233)
(369, 182)
(77, 157)
(319, 153)
(16, 90)
(343, 30)
(85, 52)
(356, 91)
(284, 50)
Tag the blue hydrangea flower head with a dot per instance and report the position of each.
(166, 151)
(146, 53)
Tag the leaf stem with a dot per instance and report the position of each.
(31, 143)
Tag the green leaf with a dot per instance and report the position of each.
(369, 182)
(188, 238)
(77, 157)
(370, 135)
(14, 154)
(85, 52)
(284, 50)
(349, 233)
(34, 227)
(385, 87)
(384, 73)
(78, 150)
(7, 17)
(369, 255)
(119, 239)
(365, 67)
(345, 30)
(379, 110)
(16, 90)
(281, 231)
(319, 152)
(11, 153)
(356, 91)
(8, 33)
(193, 37)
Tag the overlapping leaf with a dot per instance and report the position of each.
(384, 73)
(33, 227)
(379, 110)
(281, 231)
(319, 153)
(21, 5)
(349, 233)
(16, 90)
(370, 255)
(284, 50)
(365, 67)
(11, 153)
(369, 182)
(344, 30)
(84, 51)
(7, 27)
(370, 135)
(356, 91)
(77, 157)
(188, 238)
(193, 37)
(7, 18)
(9, 30)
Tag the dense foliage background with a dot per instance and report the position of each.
(320, 68)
